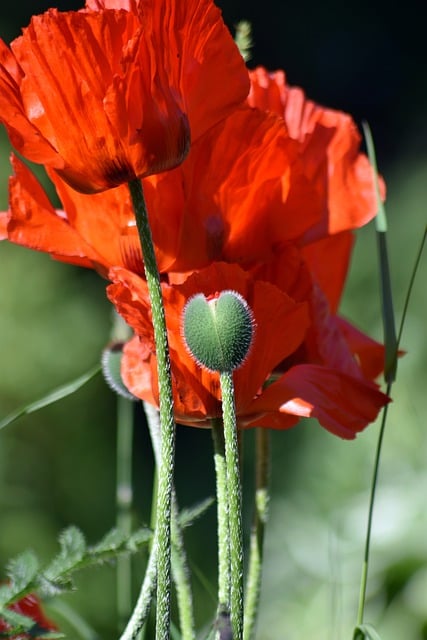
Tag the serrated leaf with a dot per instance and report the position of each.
(5, 594)
(139, 538)
(73, 543)
(113, 540)
(188, 516)
(49, 589)
(55, 395)
(21, 571)
(73, 548)
(366, 631)
(17, 621)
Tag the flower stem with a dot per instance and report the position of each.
(163, 529)
(124, 498)
(253, 584)
(234, 503)
(180, 572)
(365, 565)
(145, 598)
(223, 516)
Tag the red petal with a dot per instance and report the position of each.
(332, 182)
(4, 219)
(328, 261)
(235, 182)
(280, 327)
(342, 404)
(34, 223)
(92, 89)
(369, 352)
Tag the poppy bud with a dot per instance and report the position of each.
(218, 330)
(111, 364)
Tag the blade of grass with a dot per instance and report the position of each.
(390, 368)
(55, 395)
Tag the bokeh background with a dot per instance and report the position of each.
(57, 466)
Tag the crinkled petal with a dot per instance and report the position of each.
(33, 222)
(342, 404)
(280, 328)
(332, 182)
(328, 261)
(369, 353)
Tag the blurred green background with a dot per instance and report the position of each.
(57, 466)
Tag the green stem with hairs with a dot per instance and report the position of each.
(180, 571)
(256, 554)
(163, 529)
(234, 503)
(145, 598)
(222, 516)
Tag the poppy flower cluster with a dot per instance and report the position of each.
(264, 202)
(29, 606)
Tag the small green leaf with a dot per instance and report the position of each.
(21, 571)
(188, 516)
(17, 621)
(113, 540)
(243, 39)
(139, 538)
(365, 631)
(73, 548)
(54, 396)
(72, 542)
(116, 543)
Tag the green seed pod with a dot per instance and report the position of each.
(111, 362)
(218, 331)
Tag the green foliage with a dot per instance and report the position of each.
(243, 39)
(22, 570)
(365, 632)
(57, 394)
(188, 516)
(19, 624)
(25, 576)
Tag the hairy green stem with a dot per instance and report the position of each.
(145, 598)
(163, 528)
(222, 516)
(234, 503)
(253, 584)
(180, 571)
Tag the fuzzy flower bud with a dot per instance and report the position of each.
(218, 330)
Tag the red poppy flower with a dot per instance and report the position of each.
(332, 182)
(96, 230)
(232, 199)
(300, 363)
(30, 606)
(107, 96)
